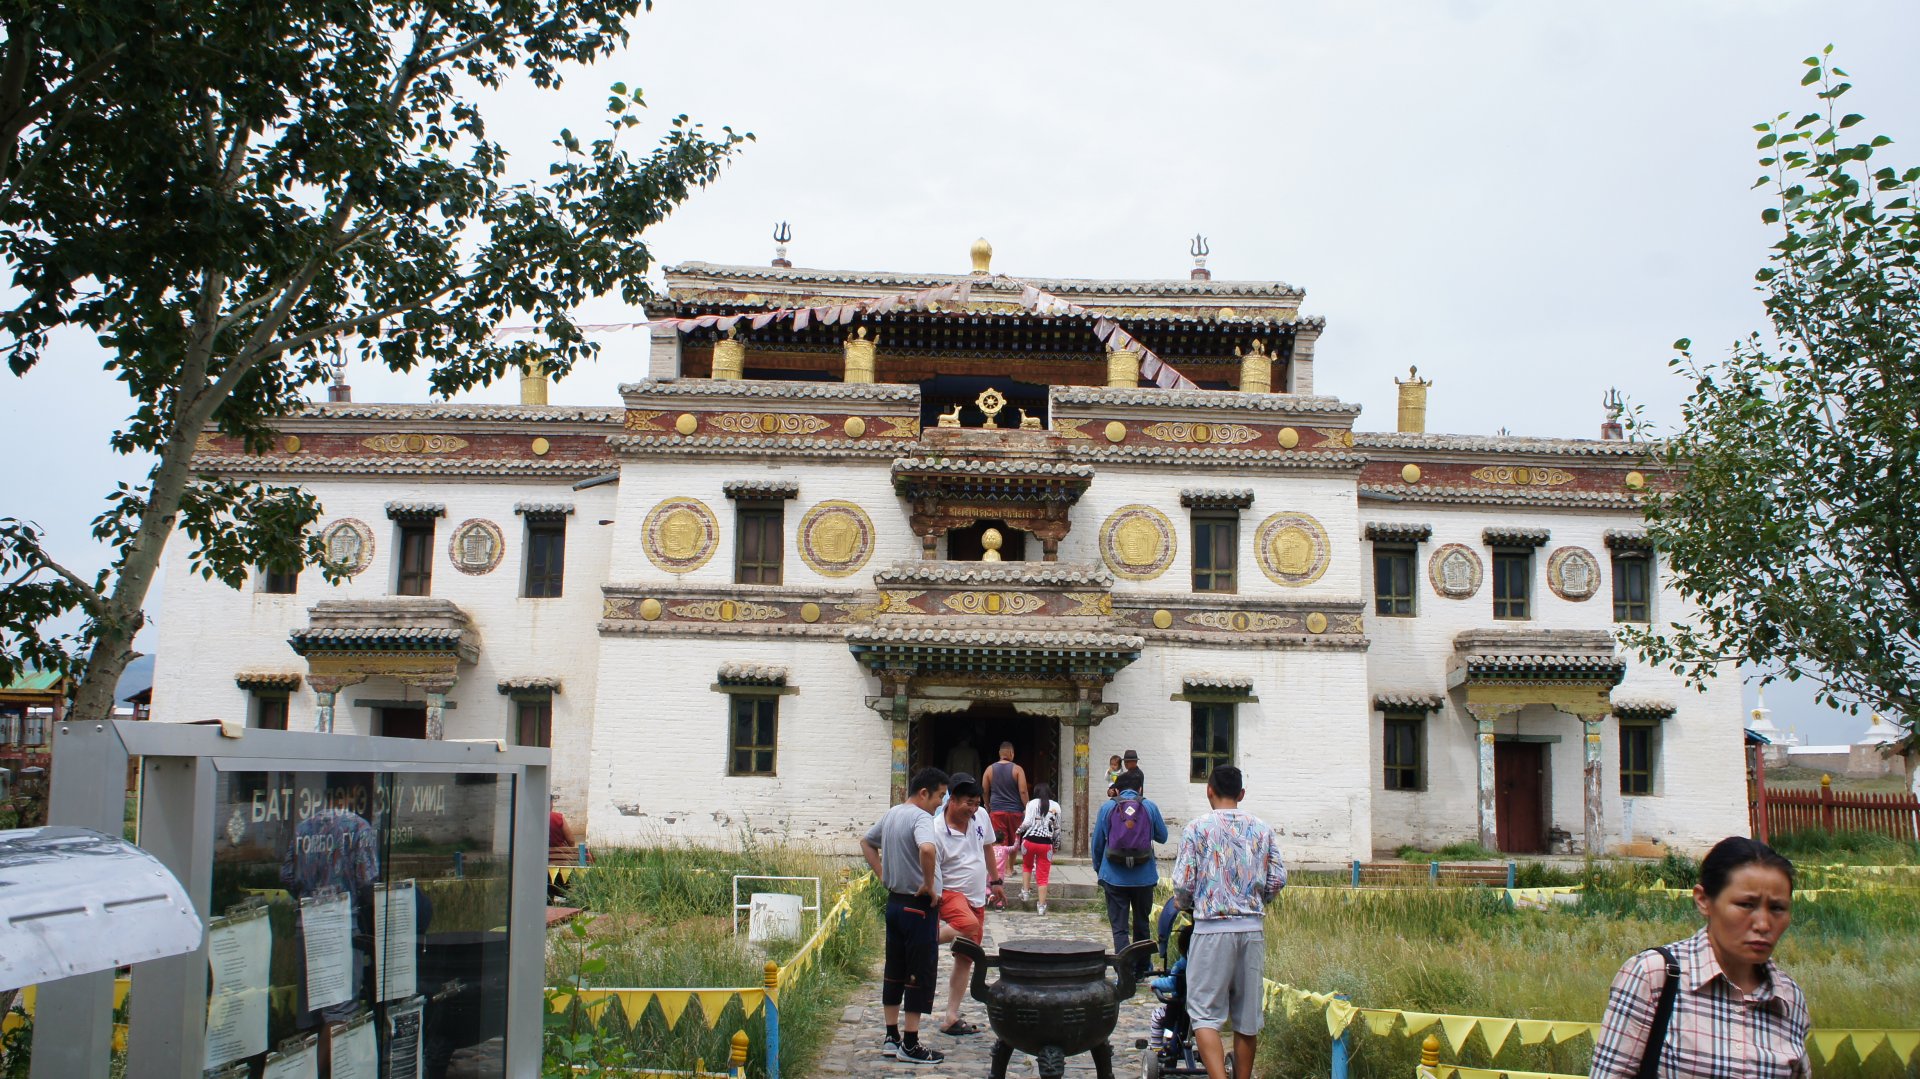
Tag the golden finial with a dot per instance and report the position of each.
(991, 541)
(982, 253)
(990, 403)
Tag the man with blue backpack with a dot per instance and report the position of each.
(1122, 844)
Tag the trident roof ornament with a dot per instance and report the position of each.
(1200, 251)
(782, 235)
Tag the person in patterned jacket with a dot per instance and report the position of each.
(1228, 870)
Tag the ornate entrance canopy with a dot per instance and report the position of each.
(1503, 671)
(1028, 493)
(420, 641)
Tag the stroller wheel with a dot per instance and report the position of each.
(1151, 1068)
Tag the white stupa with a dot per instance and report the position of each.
(1879, 733)
(1760, 720)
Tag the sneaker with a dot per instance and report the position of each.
(918, 1053)
(1025, 895)
(1042, 908)
(889, 1046)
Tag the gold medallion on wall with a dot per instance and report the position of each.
(1292, 549)
(836, 538)
(348, 545)
(476, 547)
(1137, 542)
(1573, 573)
(680, 535)
(1455, 571)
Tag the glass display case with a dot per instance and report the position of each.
(374, 906)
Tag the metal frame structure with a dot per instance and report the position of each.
(748, 905)
(74, 1026)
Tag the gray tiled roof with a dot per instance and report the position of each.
(1399, 531)
(378, 638)
(416, 509)
(531, 684)
(968, 466)
(287, 680)
(1515, 537)
(1403, 701)
(1203, 680)
(303, 464)
(495, 413)
(752, 674)
(543, 509)
(1629, 539)
(1185, 399)
(1643, 708)
(1545, 664)
(800, 275)
(761, 488)
(715, 445)
(1216, 498)
(1045, 574)
(1546, 498)
(1200, 455)
(1398, 440)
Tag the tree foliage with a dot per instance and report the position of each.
(1793, 526)
(223, 191)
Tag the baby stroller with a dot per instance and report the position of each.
(1169, 1048)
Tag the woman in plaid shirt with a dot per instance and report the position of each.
(1736, 1015)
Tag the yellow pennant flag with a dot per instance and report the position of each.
(713, 1002)
(1496, 1032)
(558, 1002)
(1903, 1043)
(1566, 1032)
(1866, 1041)
(751, 999)
(1339, 1017)
(121, 987)
(1418, 1021)
(1380, 1020)
(1534, 1031)
(673, 1004)
(1827, 1042)
(1458, 1028)
(634, 1003)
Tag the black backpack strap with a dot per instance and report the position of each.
(1662, 1015)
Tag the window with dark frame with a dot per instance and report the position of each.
(1636, 758)
(1403, 752)
(1512, 584)
(546, 558)
(279, 582)
(756, 722)
(758, 553)
(416, 559)
(1212, 738)
(1632, 586)
(533, 721)
(270, 711)
(1216, 547)
(1393, 580)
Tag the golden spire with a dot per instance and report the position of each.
(982, 253)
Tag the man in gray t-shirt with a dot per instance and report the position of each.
(903, 851)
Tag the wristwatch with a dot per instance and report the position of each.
(995, 883)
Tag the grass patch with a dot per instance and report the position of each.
(1847, 848)
(1452, 852)
(1465, 951)
(662, 918)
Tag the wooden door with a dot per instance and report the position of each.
(403, 722)
(1519, 803)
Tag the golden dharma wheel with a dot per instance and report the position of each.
(1137, 542)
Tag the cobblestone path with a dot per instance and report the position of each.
(856, 1045)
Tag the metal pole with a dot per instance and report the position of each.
(1356, 872)
(773, 1019)
(1342, 1047)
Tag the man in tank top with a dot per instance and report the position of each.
(1006, 787)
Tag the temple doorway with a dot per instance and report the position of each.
(966, 545)
(970, 741)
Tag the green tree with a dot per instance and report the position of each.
(1792, 522)
(224, 191)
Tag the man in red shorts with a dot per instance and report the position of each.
(1004, 788)
(965, 840)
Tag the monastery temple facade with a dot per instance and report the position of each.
(850, 524)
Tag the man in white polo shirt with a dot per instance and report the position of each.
(966, 838)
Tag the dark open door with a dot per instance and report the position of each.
(1519, 804)
(403, 722)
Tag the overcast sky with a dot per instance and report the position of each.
(1529, 200)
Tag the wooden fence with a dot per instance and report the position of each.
(1772, 811)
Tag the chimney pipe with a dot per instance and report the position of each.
(1413, 402)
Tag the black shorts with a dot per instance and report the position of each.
(913, 953)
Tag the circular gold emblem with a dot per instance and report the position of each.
(476, 547)
(1636, 480)
(836, 538)
(1410, 473)
(541, 446)
(1573, 574)
(1455, 571)
(1292, 549)
(293, 443)
(1316, 623)
(650, 609)
(348, 545)
(855, 427)
(686, 424)
(809, 612)
(1288, 438)
(680, 535)
(1116, 430)
(1162, 618)
(1137, 542)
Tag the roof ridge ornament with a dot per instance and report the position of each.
(1199, 249)
(982, 254)
(782, 235)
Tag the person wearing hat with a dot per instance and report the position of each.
(965, 839)
(1130, 762)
